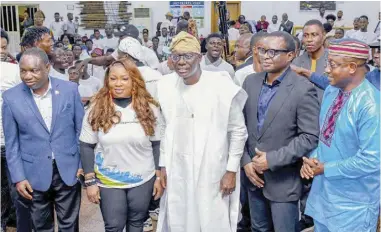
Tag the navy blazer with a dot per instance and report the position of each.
(29, 144)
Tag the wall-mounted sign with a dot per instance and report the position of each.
(195, 8)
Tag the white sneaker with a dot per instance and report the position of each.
(148, 225)
(154, 214)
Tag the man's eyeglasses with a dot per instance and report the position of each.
(186, 56)
(271, 52)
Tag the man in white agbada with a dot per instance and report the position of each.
(202, 144)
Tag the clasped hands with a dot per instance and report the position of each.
(257, 166)
(311, 167)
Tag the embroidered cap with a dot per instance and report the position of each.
(349, 48)
(128, 30)
(132, 47)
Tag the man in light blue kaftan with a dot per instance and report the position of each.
(345, 167)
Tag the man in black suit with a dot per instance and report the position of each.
(281, 116)
(286, 25)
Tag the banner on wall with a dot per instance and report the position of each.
(195, 8)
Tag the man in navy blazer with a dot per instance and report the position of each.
(42, 119)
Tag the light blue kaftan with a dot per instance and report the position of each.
(346, 197)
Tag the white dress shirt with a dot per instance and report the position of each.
(44, 104)
(273, 27)
(240, 75)
(57, 29)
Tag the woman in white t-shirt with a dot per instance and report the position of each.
(122, 128)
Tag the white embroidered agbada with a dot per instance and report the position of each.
(204, 137)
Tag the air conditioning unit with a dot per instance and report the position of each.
(142, 18)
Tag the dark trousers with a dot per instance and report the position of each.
(23, 218)
(269, 215)
(303, 202)
(245, 210)
(65, 200)
(126, 207)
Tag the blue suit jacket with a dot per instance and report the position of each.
(29, 144)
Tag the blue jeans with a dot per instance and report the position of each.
(269, 215)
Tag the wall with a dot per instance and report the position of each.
(252, 10)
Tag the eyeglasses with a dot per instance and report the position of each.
(186, 56)
(270, 52)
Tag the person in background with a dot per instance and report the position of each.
(273, 185)
(123, 191)
(69, 27)
(339, 23)
(66, 40)
(73, 75)
(356, 27)
(39, 18)
(44, 169)
(89, 46)
(94, 70)
(274, 25)
(328, 29)
(70, 57)
(241, 20)
(345, 167)
(146, 41)
(374, 76)
(76, 24)
(242, 50)
(164, 40)
(77, 52)
(232, 31)
(9, 78)
(327, 40)
(298, 46)
(84, 39)
(109, 51)
(168, 21)
(89, 85)
(311, 64)
(364, 34)
(37, 37)
(331, 19)
(339, 33)
(212, 60)
(59, 65)
(322, 14)
(155, 48)
(59, 44)
(262, 25)
(56, 27)
(186, 15)
(286, 25)
(199, 183)
(27, 22)
(97, 40)
(244, 29)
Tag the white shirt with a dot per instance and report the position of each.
(151, 77)
(163, 42)
(89, 87)
(124, 155)
(44, 104)
(98, 72)
(240, 75)
(57, 29)
(218, 66)
(282, 28)
(110, 43)
(273, 27)
(150, 58)
(58, 75)
(69, 27)
(339, 23)
(233, 34)
(164, 69)
(148, 44)
(98, 43)
(349, 34)
(366, 37)
(9, 79)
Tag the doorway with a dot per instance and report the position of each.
(234, 8)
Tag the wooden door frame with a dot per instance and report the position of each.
(214, 13)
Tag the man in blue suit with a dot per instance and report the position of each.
(42, 119)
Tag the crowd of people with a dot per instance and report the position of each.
(282, 134)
